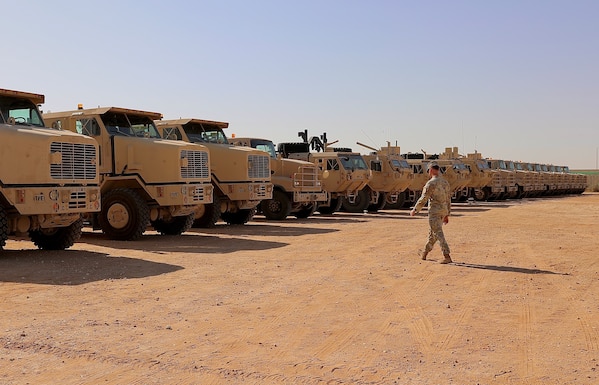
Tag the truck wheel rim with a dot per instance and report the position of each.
(274, 206)
(118, 216)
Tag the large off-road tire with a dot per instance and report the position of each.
(210, 215)
(401, 198)
(411, 198)
(125, 215)
(277, 208)
(57, 238)
(305, 211)
(481, 194)
(328, 210)
(3, 227)
(239, 217)
(360, 204)
(380, 204)
(174, 226)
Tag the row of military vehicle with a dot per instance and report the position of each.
(122, 170)
(385, 178)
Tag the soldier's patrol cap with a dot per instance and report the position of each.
(431, 165)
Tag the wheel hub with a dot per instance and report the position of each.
(274, 206)
(117, 215)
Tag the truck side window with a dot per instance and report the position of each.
(376, 166)
(332, 164)
(172, 133)
(320, 165)
(87, 127)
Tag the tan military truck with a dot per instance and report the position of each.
(508, 178)
(48, 178)
(453, 170)
(550, 178)
(344, 173)
(524, 180)
(390, 177)
(484, 180)
(537, 187)
(457, 173)
(297, 189)
(241, 176)
(543, 179)
(144, 178)
(578, 182)
(419, 170)
(480, 183)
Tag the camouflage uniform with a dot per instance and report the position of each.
(438, 194)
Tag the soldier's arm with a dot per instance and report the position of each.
(448, 199)
(426, 194)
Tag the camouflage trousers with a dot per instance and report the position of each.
(436, 234)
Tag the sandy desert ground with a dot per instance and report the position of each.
(341, 299)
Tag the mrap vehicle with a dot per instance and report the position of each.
(297, 189)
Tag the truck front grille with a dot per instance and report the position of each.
(197, 165)
(306, 179)
(261, 192)
(78, 200)
(199, 194)
(259, 167)
(77, 161)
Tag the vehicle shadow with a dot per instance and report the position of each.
(74, 267)
(396, 214)
(469, 209)
(317, 219)
(511, 269)
(264, 227)
(185, 243)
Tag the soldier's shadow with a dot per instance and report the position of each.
(511, 269)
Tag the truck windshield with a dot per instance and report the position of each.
(266, 146)
(482, 165)
(19, 111)
(460, 166)
(205, 133)
(353, 162)
(120, 124)
(400, 163)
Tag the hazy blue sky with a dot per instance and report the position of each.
(513, 79)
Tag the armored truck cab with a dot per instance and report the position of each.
(390, 177)
(144, 178)
(524, 180)
(481, 176)
(453, 170)
(419, 170)
(297, 189)
(241, 176)
(508, 178)
(48, 177)
(343, 173)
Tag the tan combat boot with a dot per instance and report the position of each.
(447, 259)
(423, 254)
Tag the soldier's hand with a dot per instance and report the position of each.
(446, 219)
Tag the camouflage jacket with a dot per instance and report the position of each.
(438, 194)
